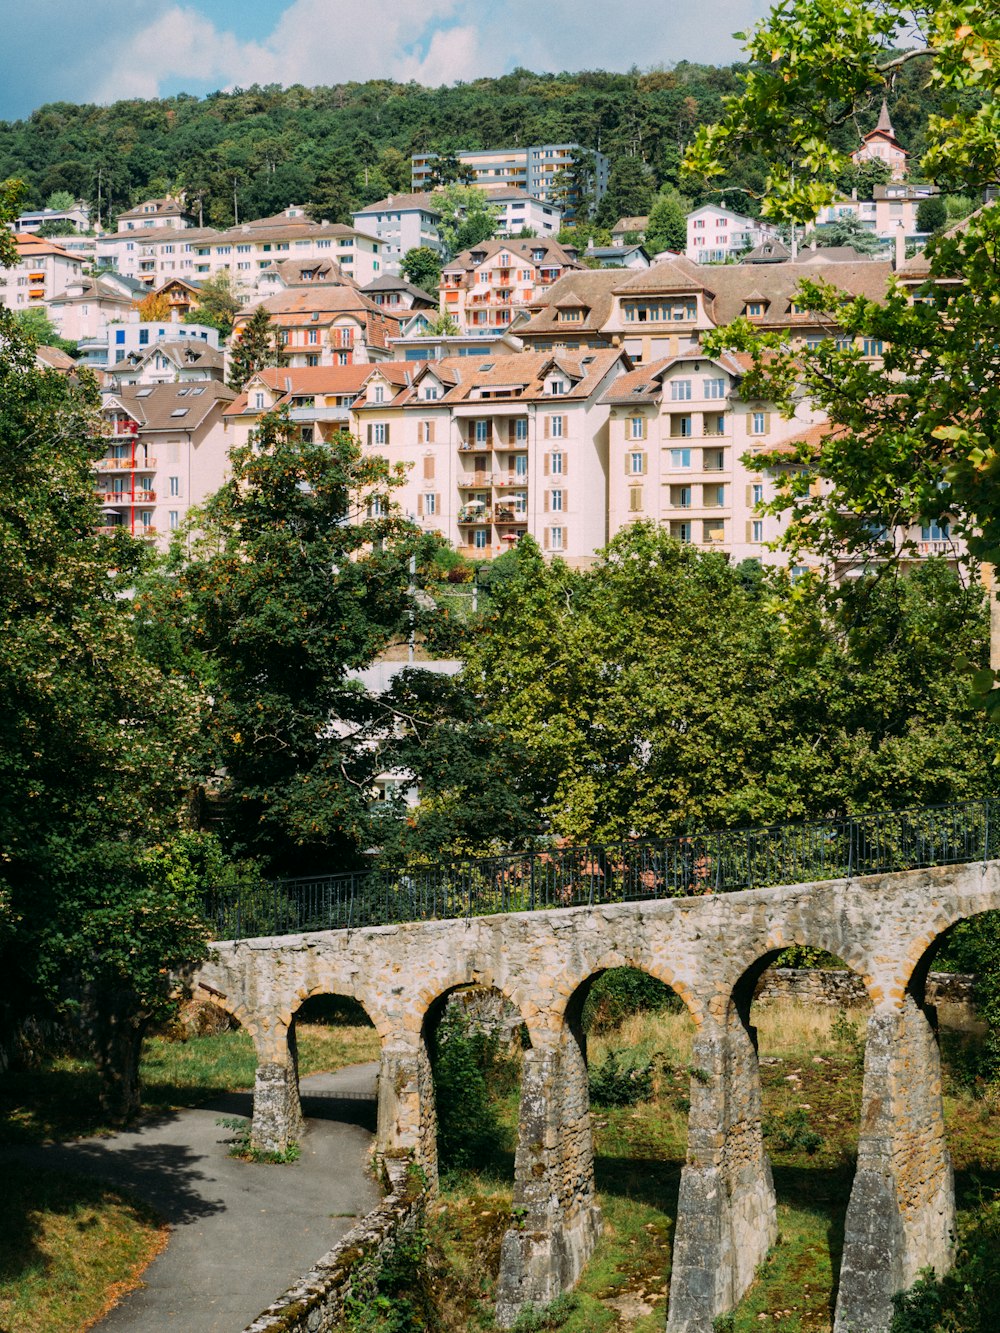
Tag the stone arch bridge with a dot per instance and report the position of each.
(712, 950)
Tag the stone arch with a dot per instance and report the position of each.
(754, 961)
(432, 996)
(567, 990)
(923, 948)
(244, 1018)
(336, 985)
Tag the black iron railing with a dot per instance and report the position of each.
(636, 871)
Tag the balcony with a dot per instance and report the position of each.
(505, 479)
(504, 516)
(305, 414)
(474, 481)
(937, 548)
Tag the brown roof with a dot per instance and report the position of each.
(153, 405)
(630, 224)
(590, 288)
(291, 382)
(184, 353)
(644, 385)
(325, 271)
(53, 358)
(811, 438)
(417, 199)
(554, 254)
(29, 245)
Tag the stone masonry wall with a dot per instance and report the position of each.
(843, 989)
(315, 1304)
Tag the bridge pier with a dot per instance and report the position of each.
(726, 1215)
(557, 1220)
(407, 1122)
(277, 1111)
(902, 1210)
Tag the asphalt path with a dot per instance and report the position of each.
(240, 1232)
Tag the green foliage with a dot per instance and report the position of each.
(470, 1070)
(35, 324)
(932, 213)
(256, 348)
(422, 267)
(965, 1300)
(667, 229)
(622, 991)
(791, 1130)
(621, 1081)
(467, 217)
(863, 177)
(845, 231)
(217, 304)
(240, 1144)
(629, 193)
(396, 1296)
(546, 1317)
(60, 200)
(974, 946)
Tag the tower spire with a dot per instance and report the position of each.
(884, 125)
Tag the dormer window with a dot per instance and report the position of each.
(258, 400)
(430, 392)
(379, 394)
(755, 309)
(558, 386)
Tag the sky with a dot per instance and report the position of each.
(105, 50)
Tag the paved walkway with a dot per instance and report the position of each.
(242, 1232)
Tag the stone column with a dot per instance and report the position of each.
(726, 1214)
(407, 1123)
(277, 1111)
(902, 1210)
(557, 1220)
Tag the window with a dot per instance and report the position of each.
(521, 428)
(258, 401)
(380, 434)
(680, 497)
(680, 391)
(757, 530)
(312, 337)
(936, 531)
(680, 458)
(637, 463)
(556, 427)
(681, 426)
(482, 432)
(558, 386)
(430, 503)
(312, 359)
(872, 347)
(379, 395)
(714, 388)
(179, 412)
(481, 538)
(637, 428)
(556, 501)
(758, 423)
(175, 485)
(431, 392)
(174, 520)
(556, 536)
(757, 493)
(755, 309)
(555, 464)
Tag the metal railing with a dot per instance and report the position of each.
(726, 861)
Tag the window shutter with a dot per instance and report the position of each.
(420, 505)
(369, 434)
(562, 425)
(545, 540)
(547, 432)
(628, 462)
(546, 505)
(749, 495)
(387, 432)
(767, 423)
(420, 432)
(749, 531)
(429, 467)
(565, 464)
(437, 504)
(546, 465)
(430, 432)
(645, 465)
(512, 431)
(565, 499)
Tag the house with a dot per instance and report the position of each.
(401, 222)
(88, 305)
(628, 230)
(116, 343)
(893, 207)
(396, 295)
(326, 325)
(284, 274)
(78, 217)
(415, 344)
(164, 451)
(499, 447)
(181, 295)
(484, 287)
(169, 212)
(881, 145)
(717, 234)
(318, 398)
(43, 270)
(538, 169)
(170, 363)
(618, 256)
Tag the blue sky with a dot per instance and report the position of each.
(102, 50)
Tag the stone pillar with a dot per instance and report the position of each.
(277, 1111)
(902, 1209)
(557, 1220)
(407, 1123)
(726, 1214)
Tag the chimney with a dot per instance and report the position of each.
(899, 253)
(854, 193)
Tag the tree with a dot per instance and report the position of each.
(667, 227)
(300, 577)
(57, 227)
(448, 169)
(255, 348)
(629, 193)
(467, 217)
(60, 201)
(845, 230)
(218, 304)
(864, 176)
(154, 307)
(422, 267)
(92, 743)
(932, 214)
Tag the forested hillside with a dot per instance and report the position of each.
(338, 147)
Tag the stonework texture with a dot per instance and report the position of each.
(713, 951)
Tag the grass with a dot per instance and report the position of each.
(69, 1247)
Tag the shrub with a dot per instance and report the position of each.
(792, 1131)
(618, 1083)
(471, 1070)
(967, 1299)
(546, 1317)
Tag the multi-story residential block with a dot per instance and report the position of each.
(717, 234)
(679, 431)
(169, 212)
(881, 145)
(43, 271)
(326, 325)
(164, 452)
(401, 222)
(89, 305)
(482, 289)
(494, 450)
(117, 343)
(245, 252)
(539, 170)
(186, 362)
(892, 208)
(424, 346)
(78, 217)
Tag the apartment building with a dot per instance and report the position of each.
(483, 289)
(881, 145)
(187, 362)
(501, 447)
(245, 252)
(537, 170)
(326, 325)
(318, 399)
(89, 305)
(164, 452)
(401, 222)
(43, 271)
(716, 234)
(892, 208)
(152, 213)
(679, 429)
(118, 343)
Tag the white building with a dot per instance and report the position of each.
(401, 222)
(44, 270)
(716, 234)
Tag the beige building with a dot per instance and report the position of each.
(326, 325)
(319, 399)
(165, 451)
(43, 271)
(498, 448)
(484, 288)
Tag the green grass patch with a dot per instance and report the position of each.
(69, 1247)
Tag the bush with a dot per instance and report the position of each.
(792, 1131)
(395, 1297)
(618, 1083)
(966, 1300)
(547, 1317)
(471, 1070)
(621, 992)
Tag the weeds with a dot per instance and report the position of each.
(241, 1146)
(618, 1083)
(791, 1131)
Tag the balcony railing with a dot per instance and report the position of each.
(645, 870)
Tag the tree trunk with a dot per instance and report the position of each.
(113, 1030)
